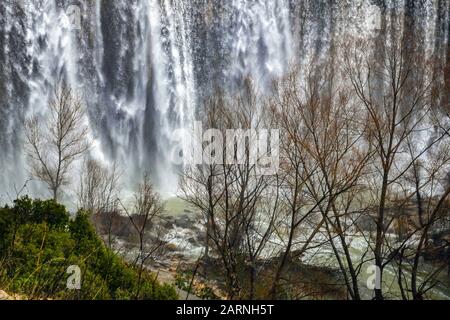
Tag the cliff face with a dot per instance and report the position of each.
(144, 65)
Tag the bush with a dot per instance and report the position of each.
(27, 210)
(38, 242)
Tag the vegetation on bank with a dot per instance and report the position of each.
(39, 242)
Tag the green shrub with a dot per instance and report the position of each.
(38, 242)
(27, 210)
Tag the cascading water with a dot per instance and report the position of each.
(144, 66)
(259, 39)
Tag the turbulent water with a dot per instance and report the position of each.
(144, 66)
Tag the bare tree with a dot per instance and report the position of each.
(239, 204)
(426, 192)
(99, 191)
(146, 208)
(395, 90)
(55, 143)
(323, 159)
(334, 142)
(297, 205)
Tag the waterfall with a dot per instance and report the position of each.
(143, 67)
(260, 40)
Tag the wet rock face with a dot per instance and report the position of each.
(182, 235)
(145, 66)
(185, 236)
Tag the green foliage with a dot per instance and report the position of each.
(6, 223)
(38, 242)
(27, 210)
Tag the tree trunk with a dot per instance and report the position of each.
(55, 194)
(379, 237)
